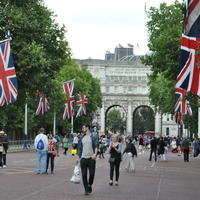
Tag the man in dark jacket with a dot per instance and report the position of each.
(131, 151)
(153, 144)
(186, 147)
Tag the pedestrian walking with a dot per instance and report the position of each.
(101, 146)
(4, 142)
(51, 153)
(41, 146)
(65, 144)
(141, 145)
(115, 158)
(153, 148)
(87, 153)
(131, 151)
(75, 142)
(161, 148)
(186, 147)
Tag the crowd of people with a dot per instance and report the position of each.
(89, 146)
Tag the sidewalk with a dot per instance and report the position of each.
(174, 179)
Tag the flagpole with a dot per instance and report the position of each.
(54, 123)
(2, 41)
(72, 124)
(25, 127)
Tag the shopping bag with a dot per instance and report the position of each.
(73, 151)
(76, 178)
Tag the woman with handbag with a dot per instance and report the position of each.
(51, 152)
(115, 158)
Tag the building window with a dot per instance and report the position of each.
(167, 131)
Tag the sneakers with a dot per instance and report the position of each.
(4, 166)
(89, 189)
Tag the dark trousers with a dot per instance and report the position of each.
(114, 166)
(87, 164)
(51, 158)
(101, 153)
(155, 154)
(186, 155)
(1, 156)
(65, 152)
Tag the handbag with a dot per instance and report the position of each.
(54, 153)
(76, 175)
(111, 159)
(1, 148)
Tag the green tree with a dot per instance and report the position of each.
(84, 83)
(115, 122)
(164, 28)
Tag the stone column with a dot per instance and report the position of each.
(129, 125)
(102, 119)
(157, 123)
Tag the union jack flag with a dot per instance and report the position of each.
(82, 103)
(8, 80)
(179, 118)
(189, 72)
(182, 105)
(42, 105)
(68, 88)
(192, 18)
(130, 45)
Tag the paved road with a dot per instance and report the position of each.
(171, 180)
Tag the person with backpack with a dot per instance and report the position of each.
(41, 146)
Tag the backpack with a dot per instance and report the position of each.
(40, 145)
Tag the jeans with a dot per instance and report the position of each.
(41, 157)
(114, 166)
(50, 157)
(155, 154)
(130, 164)
(87, 164)
(186, 155)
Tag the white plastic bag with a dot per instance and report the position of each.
(76, 175)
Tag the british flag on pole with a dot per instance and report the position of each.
(68, 88)
(189, 72)
(8, 80)
(82, 103)
(42, 105)
(182, 105)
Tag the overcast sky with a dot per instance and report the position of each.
(96, 26)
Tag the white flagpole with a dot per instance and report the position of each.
(2, 41)
(25, 129)
(25, 126)
(54, 123)
(198, 122)
(72, 124)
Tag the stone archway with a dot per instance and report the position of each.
(143, 120)
(117, 107)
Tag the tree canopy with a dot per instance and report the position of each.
(41, 54)
(165, 30)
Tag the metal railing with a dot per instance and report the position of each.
(20, 145)
(24, 145)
